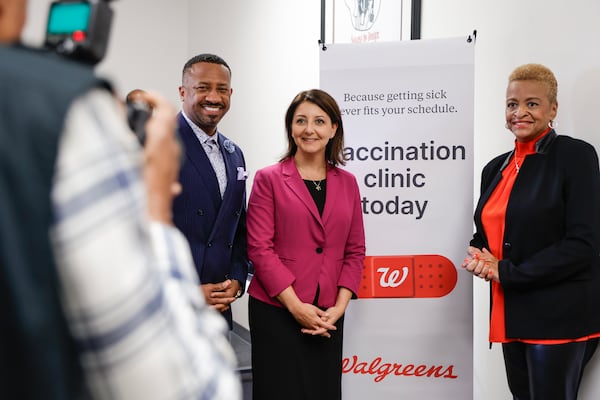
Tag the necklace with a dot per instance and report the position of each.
(306, 176)
(517, 167)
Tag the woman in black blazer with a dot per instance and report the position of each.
(537, 240)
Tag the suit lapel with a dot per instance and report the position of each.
(334, 190)
(198, 160)
(228, 195)
(294, 181)
(496, 179)
(230, 168)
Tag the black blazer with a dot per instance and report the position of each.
(550, 271)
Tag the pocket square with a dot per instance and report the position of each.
(241, 174)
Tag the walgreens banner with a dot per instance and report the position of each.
(408, 122)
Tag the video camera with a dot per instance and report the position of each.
(79, 30)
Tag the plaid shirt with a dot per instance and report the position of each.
(129, 288)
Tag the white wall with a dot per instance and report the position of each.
(148, 43)
(272, 48)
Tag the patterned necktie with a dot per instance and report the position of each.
(216, 159)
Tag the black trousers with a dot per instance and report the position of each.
(546, 372)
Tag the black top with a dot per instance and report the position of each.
(317, 190)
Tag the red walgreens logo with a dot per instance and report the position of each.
(418, 276)
(380, 369)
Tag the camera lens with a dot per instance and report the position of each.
(137, 115)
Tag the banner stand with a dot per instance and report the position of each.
(408, 120)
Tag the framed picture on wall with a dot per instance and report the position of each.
(364, 21)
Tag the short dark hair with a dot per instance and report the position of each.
(334, 151)
(206, 58)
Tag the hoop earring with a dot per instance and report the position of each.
(551, 124)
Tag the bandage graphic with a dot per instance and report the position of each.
(420, 276)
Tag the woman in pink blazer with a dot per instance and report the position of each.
(306, 242)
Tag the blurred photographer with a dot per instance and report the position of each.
(98, 293)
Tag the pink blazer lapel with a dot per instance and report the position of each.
(294, 181)
(332, 199)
